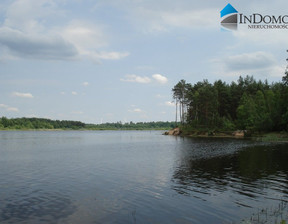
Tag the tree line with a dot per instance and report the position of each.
(42, 123)
(246, 104)
(158, 125)
(38, 123)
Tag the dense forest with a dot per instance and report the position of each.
(38, 123)
(246, 104)
(41, 123)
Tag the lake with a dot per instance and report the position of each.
(140, 177)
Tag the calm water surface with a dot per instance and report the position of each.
(139, 177)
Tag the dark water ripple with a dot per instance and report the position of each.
(139, 177)
(253, 175)
(37, 207)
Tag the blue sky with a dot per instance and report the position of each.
(117, 60)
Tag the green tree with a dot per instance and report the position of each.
(203, 105)
(5, 122)
(285, 78)
(208, 104)
(1, 125)
(236, 92)
(180, 91)
(246, 113)
(224, 98)
(263, 120)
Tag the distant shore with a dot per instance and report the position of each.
(87, 129)
(48, 124)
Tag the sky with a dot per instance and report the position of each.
(100, 61)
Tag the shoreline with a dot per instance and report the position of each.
(281, 137)
(100, 129)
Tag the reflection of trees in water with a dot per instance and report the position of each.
(246, 172)
(37, 207)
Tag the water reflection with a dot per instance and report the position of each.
(253, 172)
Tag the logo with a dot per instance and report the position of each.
(230, 17)
(231, 20)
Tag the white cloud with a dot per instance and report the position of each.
(169, 103)
(258, 63)
(27, 14)
(249, 61)
(260, 37)
(108, 55)
(144, 79)
(135, 78)
(85, 84)
(84, 36)
(136, 110)
(23, 95)
(9, 108)
(277, 71)
(165, 15)
(20, 44)
(160, 78)
(74, 93)
(26, 33)
(153, 19)
(87, 39)
(204, 18)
